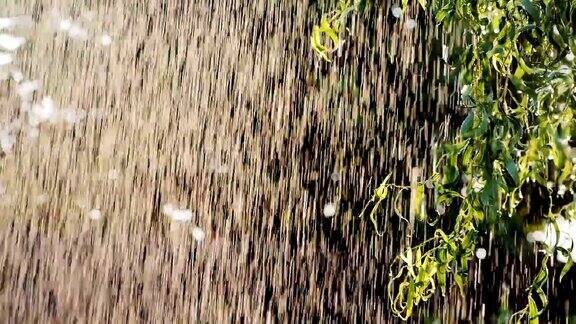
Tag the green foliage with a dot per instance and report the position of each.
(517, 83)
(326, 37)
(532, 311)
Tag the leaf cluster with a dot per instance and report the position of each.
(516, 76)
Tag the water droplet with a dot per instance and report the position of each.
(27, 88)
(179, 215)
(9, 22)
(7, 141)
(44, 111)
(329, 210)
(411, 24)
(396, 11)
(11, 43)
(6, 23)
(113, 174)
(562, 190)
(95, 214)
(65, 25)
(167, 209)
(17, 76)
(77, 32)
(42, 199)
(6, 58)
(481, 253)
(105, 40)
(71, 115)
(335, 176)
(198, 234)
(441, 209)
(32, 132)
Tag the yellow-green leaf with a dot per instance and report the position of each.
(423, 4)
(532, 311)
(566, 268)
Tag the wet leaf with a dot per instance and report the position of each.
(512, 169)
(531, 8)
(467, 126)
(423, 4)
(419, 202)
(532, 310)
(566, 268)
(460, 283)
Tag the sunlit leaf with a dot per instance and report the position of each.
(566, 268)
(423, 4)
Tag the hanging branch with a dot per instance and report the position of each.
(517, 83)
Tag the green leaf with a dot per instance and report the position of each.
(423, 4)
(483, 127)
(532, 310)
(441, 15)
(441, 277)
(382, 191)
(542, 275)
(460, 283)
(503, 316)
(361, 6)
(317, 44)
(524, 66)
(512, 169)
(446, 239)
(326, 28)
(532, 9)
(397, 209)
(566, 268)
(543, 299)
(466, 130)
(488, 197)
(518, 74)
(408, 260)
(450, 174)
(373, 216)
(419, 201)
(410, 299)
(557, 37)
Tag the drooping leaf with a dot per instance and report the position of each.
(423, 4)
(513, 170)
(419, 202)
(532, 311)
(488, 197)
(566, 268)
(467, 126)
(460, 283)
